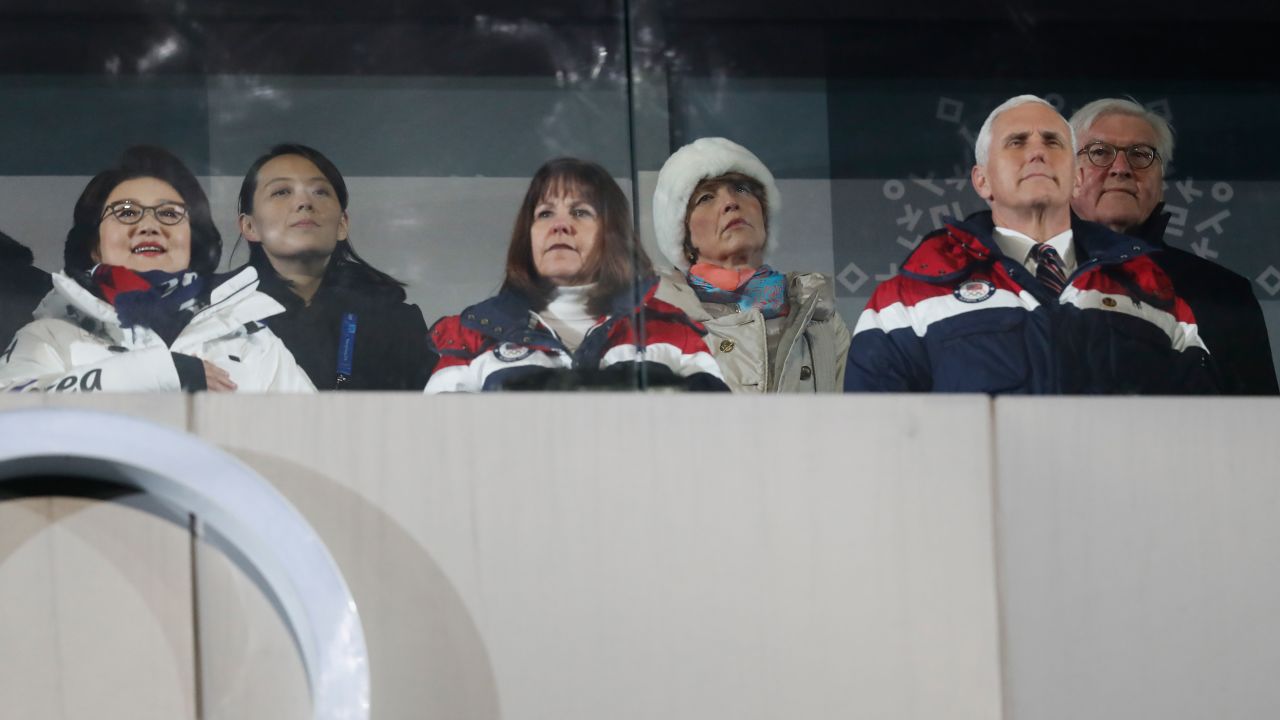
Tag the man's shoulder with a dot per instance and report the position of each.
(451, 337)
(1099, 242)
(1189, 268)
(25, 280)
(947, 254)
(506, 309)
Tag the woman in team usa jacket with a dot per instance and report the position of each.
(577, 306)
(138, 307)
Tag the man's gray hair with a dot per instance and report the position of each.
(1085, 117)
(982, 148)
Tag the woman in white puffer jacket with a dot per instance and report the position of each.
(138, 307)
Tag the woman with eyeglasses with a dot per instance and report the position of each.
(346, 322)
(576, 309)
(138, 307)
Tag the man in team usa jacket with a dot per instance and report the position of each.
(1027, 298)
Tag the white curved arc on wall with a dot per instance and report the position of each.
(226, 495)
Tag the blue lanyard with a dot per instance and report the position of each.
(346, 348)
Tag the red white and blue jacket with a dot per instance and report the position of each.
(502, 344)
(963, 317)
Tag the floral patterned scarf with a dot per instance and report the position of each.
(763, 288)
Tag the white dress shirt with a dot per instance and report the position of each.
(1018, 247)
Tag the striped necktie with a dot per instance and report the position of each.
(1049, 267)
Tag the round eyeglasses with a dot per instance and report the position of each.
(131, 213)
(1102, 154)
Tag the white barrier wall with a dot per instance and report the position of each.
(1140, 557)
(95, 598)
(628, 556)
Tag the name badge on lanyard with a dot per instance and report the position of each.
(346, 348)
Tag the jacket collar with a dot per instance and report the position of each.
(235, 297)
(342, 281)
(509, 315)
(70, 300)
(951, 253)
(275, 286)
(1152, 229)
(801, 287)
(675, 290)
(232, 304)
(1105, 246)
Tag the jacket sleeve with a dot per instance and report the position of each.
(275, 367)
(1195, 371)
(674, 345)
(842, 340)
(886, 354)
(41, 357)
(1246, 358)
(454, 371)
(290, 377)
(419, 359)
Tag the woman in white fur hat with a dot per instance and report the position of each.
(715, 216)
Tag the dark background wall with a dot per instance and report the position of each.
(441, 110)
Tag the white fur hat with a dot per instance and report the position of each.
(701, 159)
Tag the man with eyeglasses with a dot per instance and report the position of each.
(1026, 298)
(1123, 151)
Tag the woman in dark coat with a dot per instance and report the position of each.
(346, 322)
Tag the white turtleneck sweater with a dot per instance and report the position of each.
(566, 314)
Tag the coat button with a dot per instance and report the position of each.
(1109, 302)
(726, 346)
(805, 372)
(484, 321)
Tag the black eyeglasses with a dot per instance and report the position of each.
(131, 213)
(1102, 154)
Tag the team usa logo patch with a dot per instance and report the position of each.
(974, 291)
(510, 352)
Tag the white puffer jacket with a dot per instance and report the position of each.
(76, 344)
